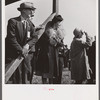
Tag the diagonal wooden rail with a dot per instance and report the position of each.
(10, 69)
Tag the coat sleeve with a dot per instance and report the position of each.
(11, 35)
(86, 44)
(44, 40)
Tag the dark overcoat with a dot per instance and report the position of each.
(91, 52)
(17, 38)
(48, 60)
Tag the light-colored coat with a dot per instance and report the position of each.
(79, 60)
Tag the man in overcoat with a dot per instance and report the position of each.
(79, 62)
(20, 38)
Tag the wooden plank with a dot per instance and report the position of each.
(40, 32)
(10, 69)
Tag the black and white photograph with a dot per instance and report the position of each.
(50, 46)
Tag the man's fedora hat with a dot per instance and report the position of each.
(26, 5)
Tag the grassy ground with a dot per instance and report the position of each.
(66, 78)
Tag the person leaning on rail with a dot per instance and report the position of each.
(20, 38)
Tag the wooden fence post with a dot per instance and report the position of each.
(56, 6)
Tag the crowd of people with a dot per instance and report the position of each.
(47, 56)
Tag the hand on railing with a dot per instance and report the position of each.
(25, 50)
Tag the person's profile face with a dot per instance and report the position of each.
(58, 24)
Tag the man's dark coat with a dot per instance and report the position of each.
(17, 38)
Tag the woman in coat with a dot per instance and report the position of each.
(48, 46)
(79, 61)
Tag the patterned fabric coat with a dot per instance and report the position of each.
(48, 57)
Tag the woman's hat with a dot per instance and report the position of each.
(57, 18)
(26, 5)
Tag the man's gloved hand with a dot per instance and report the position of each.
(25, 50)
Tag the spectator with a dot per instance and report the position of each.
(20, 38)
(48, 58)
(91, 52)
(79, 63)
(66, 57)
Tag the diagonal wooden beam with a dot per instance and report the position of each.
(10, 69)
(56, 6)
